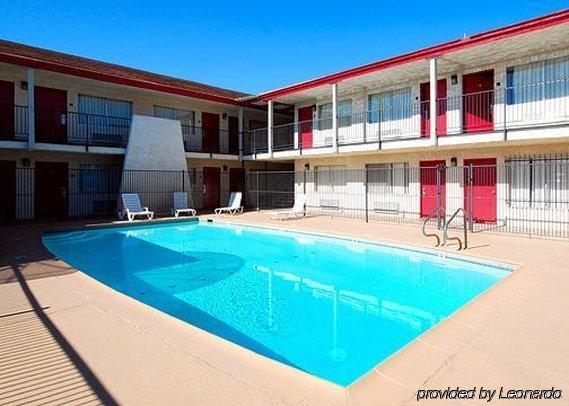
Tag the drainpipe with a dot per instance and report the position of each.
(31, 109)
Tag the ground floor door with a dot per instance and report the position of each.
(7, 192)
(425, 94)
(7, 110)
(433, 186)
(210, 133)
(51, 115)
(211, 188)
(51, 186)
(305, 127)
(236, 179)
(478, 101)
(480, 189)
(233, 134)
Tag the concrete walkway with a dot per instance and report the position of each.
(110, 348)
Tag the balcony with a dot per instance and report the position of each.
(64, 127)
(501, 111)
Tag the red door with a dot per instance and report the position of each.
(478, 101)
(480, 189)
(211, 187)
(233, 133)
(236, 179)
(7, 192)
(305, 126)
(210, 133)
(433, 186)
(6, 110)
(51, 180)
(51, 118)
(441, 108)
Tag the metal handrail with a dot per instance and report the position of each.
(445, 233)
(429, 217)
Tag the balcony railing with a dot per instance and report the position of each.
(255, 141)
(515, 107)
(68, 127)
(13, 122)
(198, 139)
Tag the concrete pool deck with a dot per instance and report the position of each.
(65, 336)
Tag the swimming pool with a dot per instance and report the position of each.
(332, 307)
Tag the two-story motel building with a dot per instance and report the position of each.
(502, 98)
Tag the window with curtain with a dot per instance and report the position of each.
(344, 115)
(390, 106)
(108, 120)
(96, 179)
(104, 107)
(385, 177)
(538, 81)
(537, 182)
(329, 178)
(187, 117)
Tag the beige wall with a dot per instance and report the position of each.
(143, 100)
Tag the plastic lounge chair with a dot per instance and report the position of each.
(133, 208)
(233, 205)
(181, 204)
(297, 211)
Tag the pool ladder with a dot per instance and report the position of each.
(445, 226)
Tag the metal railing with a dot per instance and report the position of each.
(527, 196)
(13, 122)
(216, 141)
(447, 238)
(503, 109)
(68, 127)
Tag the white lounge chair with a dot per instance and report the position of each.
(132, 207)
(233, 206)
(181, 204)
(298, 210)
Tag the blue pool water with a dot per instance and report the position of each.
(331, 307)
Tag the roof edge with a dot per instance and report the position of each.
(534, 24)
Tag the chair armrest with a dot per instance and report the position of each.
(145, 209)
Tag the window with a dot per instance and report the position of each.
(107, 120)
(386, 177)
(390, 106)
(186, 117)
(328, 178)
(536, 182)
(344, 115)
(97, 179)
(538, 81)
(104, 107)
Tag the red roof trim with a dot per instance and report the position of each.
(535, 24)
(90, 74)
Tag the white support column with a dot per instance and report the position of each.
(433, 100)
(270, 128)
(335, 116)
(296, 128)
(31, 109)
(240, 128)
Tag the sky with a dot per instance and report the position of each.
(252, 46)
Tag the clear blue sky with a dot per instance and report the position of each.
(252, 46)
